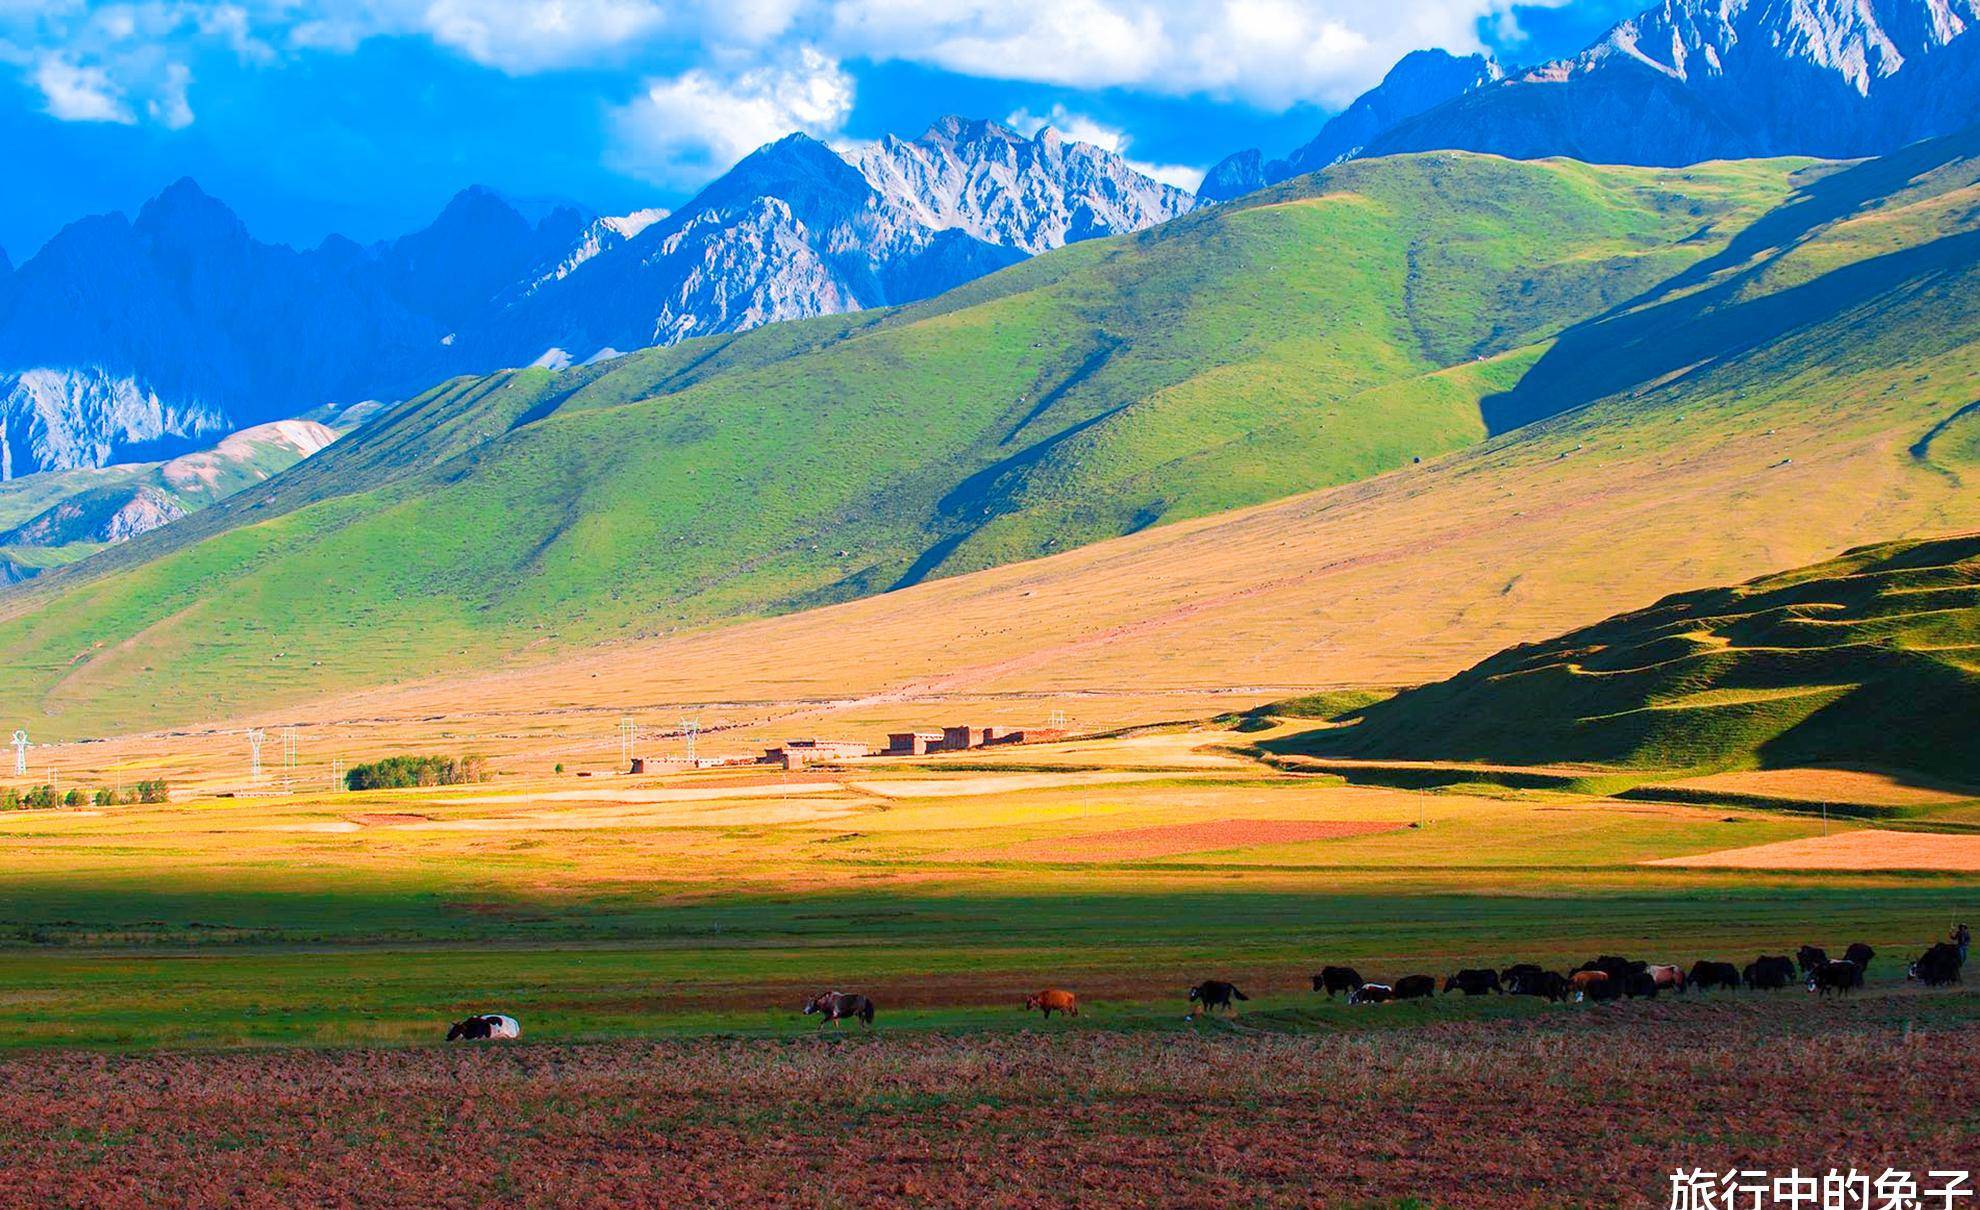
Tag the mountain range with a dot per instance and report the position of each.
(125, 339)
(1105, 388)
(1683, 82)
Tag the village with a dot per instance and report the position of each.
(808, 752)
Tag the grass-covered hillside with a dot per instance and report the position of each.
(1725, 454)
(1872, 659)
(1338, 327)
(52, 519)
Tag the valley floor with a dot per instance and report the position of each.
(241, 1000)
(1126, 868)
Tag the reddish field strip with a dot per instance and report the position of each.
(1168, 840)
(1593, 1106)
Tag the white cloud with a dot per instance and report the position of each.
(1083, 129)
(121, 63)
(682, 129)
(532, 35)
(1075, 126)
(75, 92)
(1271, 53)
(169, 106)
(1182, 176)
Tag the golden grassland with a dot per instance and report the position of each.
(709, 901)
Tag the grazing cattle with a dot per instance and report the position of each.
(1519, 970)
(1473, 982)
(1810, 957)
(1215, 993)
(1372, 993)
(1585, 983)
(1838, 976)
(1333, 979)
(1052, 1000)
(1769, 972)
(1669, 978)
(837, 1007)
(1707, 975)
(1640, 985)
(1938, 966)
(1860, 954)
(1549, 984)
(1604, 988)
(1612, 966)
(487, 1027)
(1416, 987)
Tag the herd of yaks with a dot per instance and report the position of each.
(1613, 978)
(1606, 978)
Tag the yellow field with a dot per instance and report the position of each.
(1855, 851)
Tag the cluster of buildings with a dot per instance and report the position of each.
(798, 753)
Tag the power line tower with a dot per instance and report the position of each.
(336, 773)
(691, 728)
(254, 737)
(288, 760)
(1058, 720)
(20, 753)
(628, 735)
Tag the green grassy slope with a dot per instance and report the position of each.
(1872, 658)
(53, 519)
(1329, 330)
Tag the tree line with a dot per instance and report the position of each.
(15, 799)
(398, 772)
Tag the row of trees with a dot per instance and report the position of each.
(12, 799)
(397, 772)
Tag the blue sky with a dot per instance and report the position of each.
(364, 116)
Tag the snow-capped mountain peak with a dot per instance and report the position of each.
(1036, 193)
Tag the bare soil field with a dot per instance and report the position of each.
(1870, 849)
(1530, 1112)
(1169, 840)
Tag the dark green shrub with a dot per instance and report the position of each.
(398, 772)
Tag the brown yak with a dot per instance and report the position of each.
(1052, 1000)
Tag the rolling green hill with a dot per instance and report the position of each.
(53, 519)
(1334, 328)
(1872, 658)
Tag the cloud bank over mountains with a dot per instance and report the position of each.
(689, 85)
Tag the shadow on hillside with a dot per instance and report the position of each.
(1608, 356)
(1825, 200)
